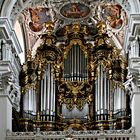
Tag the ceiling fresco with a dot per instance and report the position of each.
(112, 14)
(75, 10)
(86, 11)
(38, 17)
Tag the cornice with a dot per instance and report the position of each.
(9, 34)
(134, 24)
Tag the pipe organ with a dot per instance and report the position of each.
(76, 84)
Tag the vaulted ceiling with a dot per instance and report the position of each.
(32, 14)
(65, 12)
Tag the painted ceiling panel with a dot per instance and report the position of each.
(63, 13)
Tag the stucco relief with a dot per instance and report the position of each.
(111, 12)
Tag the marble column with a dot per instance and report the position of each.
(136, 114)
(5, 116)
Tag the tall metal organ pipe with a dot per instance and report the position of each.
(29, 106)
(102, 92)
(48, 94)
(119, 101)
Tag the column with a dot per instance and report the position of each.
(8, 73)
(6, 115)
(136, 113)
(134, 69)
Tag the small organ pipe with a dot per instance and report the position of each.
(119, 98)
(108, 92)
(47, 94)
(84, 68)
(70, 66)
(68, 72)
(29, 99)
(52, 92)
(101, 81)
(105, 95)
(80, 66)
(41, 95)
(96, 96)
(78, 63)
(44, 105)
(54, 99)
(75, 58)
(34, 101)
(72, 63)
(98, 92)
(111, 96)
(26, 101)
(123, 99)
(114, 100)
(74, 49)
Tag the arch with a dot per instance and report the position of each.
(7, 8)
(10, 4)
(132, 6)
(135, 6)
(129, 6)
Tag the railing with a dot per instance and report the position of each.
(74, 135)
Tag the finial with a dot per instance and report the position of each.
(76, 27)
(49, 26)
(101, 27)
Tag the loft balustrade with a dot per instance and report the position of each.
(74, 135)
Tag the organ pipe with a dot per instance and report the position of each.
(104, 89)
(101, 81)
(42, 92)
(96, 96)
(45, 91)
(99, 88)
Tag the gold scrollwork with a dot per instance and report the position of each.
(75, 96)
(75, 42)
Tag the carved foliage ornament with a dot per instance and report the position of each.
(76, 95)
